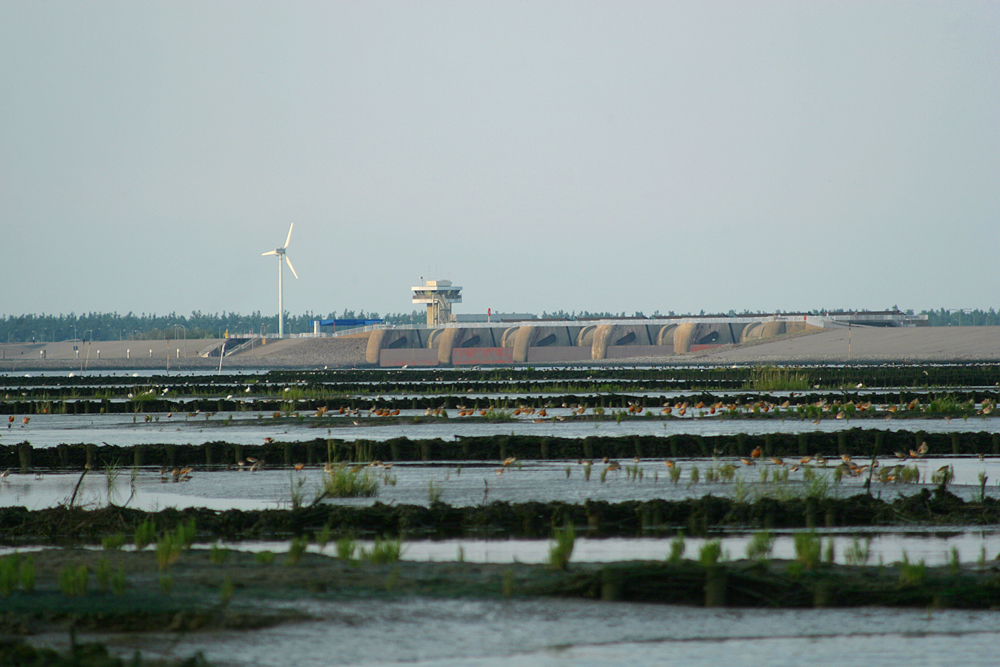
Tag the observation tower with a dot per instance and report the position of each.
(438, 295)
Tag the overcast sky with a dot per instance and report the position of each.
(596, 156)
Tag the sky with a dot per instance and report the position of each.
(600, 156)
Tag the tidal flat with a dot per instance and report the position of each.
(658, 514)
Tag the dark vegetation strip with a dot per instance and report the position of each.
(695, 516)
(564, 380)
(952, 402)
(859, 443)
(18, 653)
(746, 584)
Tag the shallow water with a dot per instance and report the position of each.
(468, 483)
(933, 546)
(539, 633)
(246, 428)
(536, 633)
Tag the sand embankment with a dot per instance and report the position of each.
(183, 355)
(838, 346)
(869, 345)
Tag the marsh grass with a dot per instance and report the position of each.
(73, 580)
(323, 537)
(760, 547)
(943, 476)
(346, 482)
(710, 553)
(346, 547)
(102, 574)
(144, 534)
(507, 583)
(264, 557)
(111, 472)
(677, 548)
(113, 542)
(383, 551)
(226, 590)
(808, 548)
(118, 582)
(675, 474)
(954, 561)
(951, 405)
(741, 491)
(561, 547)
(168, 550)
(9, 566)
(773, 378)
(296, 549)
(858, 553)
(296, 492)
(218, 555)
(26, 573)
(911, 574)
(433, 492)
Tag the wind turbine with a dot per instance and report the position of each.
(282, 259)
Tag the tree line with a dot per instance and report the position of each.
(147, 326)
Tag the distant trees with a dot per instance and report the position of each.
(145, 326)
(962, 317)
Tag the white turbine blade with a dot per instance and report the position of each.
(289, 238)
(289, 263)
(273, 252)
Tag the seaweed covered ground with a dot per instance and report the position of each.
(857, 442)
(201, 590)
(695, 516)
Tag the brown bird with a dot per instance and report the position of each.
(756, 453)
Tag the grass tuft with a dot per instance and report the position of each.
(561, 547)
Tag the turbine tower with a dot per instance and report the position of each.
(282, 259)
